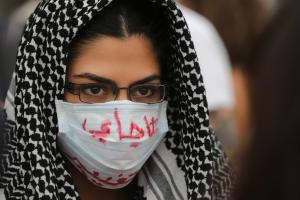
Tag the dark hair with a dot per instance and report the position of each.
(125, 18)
(271, 170)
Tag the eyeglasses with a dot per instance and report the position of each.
(104, 92)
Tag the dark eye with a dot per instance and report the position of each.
(144, 91)
(94, 90)
(147, 93)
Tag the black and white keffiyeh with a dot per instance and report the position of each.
(189, 164)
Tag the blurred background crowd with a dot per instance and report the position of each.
(249, 54)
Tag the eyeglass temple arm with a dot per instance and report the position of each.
(71, 87)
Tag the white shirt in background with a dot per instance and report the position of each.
(213, 59)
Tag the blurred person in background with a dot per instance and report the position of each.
(240, 24)
(2, 67)
(15, 26)
(6, 8)
(271, 167)
(1, 102)
(13, 14)
(3, 30)
(216, 69)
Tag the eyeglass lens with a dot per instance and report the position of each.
(103, 92)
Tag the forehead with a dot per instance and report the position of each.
(116, 58)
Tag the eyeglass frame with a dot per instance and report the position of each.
(75, 89)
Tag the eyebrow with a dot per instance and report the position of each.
(94, 77)
(146, 79)
(100, 79)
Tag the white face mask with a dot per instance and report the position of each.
(110, 142)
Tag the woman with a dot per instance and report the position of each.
(78, 58)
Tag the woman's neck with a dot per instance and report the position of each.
(89, 191)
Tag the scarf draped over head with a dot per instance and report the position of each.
(188, 164)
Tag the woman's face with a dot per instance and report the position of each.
(123, 61)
